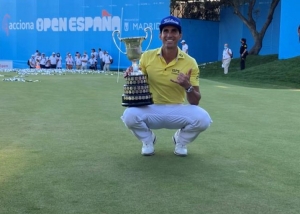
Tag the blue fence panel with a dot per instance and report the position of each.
(202, 39)
(289, 45)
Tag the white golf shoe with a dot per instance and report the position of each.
(180, 148)
(148, 147)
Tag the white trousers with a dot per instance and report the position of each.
(191, 120)
(106, 67)
(226, 63)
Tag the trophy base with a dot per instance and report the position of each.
(136, 91)
(137, 100)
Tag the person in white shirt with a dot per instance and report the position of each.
(92, 62)
(95, 57)
(69, 62)
(47, 65)
(36, 53)
(43, 61)
(101, 54)
(59, 61)
(78, 61)
(53, 60)
(32, 62)
(185, 47)
(84, 61)
(107, 61)
(38, 56)
(226, 59)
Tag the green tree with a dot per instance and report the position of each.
(209, 10)
(248, 20)
(196, 9)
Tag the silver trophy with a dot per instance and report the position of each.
(136, 90)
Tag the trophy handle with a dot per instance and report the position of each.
(146, 31)
(118, 35)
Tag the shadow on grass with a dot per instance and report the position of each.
(166, 163)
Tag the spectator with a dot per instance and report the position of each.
(84, 61)
(227, 54)
(107, 61)
(38, 56)
(95, 57)
(53, 60)
(69, 62)
(59, 61)
(92, 62)
(48, 64)
(37, 64)
(185, 47)
(101, 54)
(43, 61)
(32, 62)
(243, 53)
(36, 53)
(78, 62)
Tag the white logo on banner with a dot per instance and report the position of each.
(142, 26)
(108, 23)
(105, 23)
(21, 25)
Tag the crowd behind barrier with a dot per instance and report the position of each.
(96, 60)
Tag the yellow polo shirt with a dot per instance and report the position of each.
(159, 73)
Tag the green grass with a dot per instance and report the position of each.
(64, 149)
(261, 71)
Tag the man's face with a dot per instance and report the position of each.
(170, 37)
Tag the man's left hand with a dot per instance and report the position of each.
(183, 79)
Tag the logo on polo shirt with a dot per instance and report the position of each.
(175, 71)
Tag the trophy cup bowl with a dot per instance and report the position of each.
(136, 90)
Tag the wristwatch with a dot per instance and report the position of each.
(190, 89)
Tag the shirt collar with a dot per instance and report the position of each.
(180, 54)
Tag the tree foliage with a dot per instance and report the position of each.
(196, 9)
(249, 21)
(210, 10)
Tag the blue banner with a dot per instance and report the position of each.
(75, 25)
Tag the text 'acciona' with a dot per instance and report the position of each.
(108, 23)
